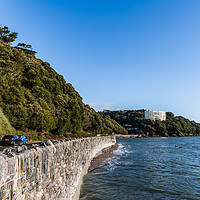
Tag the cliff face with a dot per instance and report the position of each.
(48, 170)
(34, 97)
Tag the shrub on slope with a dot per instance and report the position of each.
(5, 127)
(173, 126)
(35, 97)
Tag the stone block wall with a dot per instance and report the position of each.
(48, 170)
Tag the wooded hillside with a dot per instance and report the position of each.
(34, 96)
(5, 127)
(173, 126)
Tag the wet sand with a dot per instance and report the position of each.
(101, 159)
(127, 136)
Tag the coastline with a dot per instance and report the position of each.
(128, 136)
(102, 157)
(103, 153)
(155, 136)
(49, 169)
(130, 168)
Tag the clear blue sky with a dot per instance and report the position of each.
(118, 54)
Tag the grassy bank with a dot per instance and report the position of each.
(5, 126)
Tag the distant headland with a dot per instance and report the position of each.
(154, 123)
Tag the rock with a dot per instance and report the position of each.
(49, 170)
(7, 150)
(178, 146)
(101, 159)
(24, 147)
(10, 154)
(33, 146)
(25, 188)
(49, 142)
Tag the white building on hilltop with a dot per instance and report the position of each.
(155, 115)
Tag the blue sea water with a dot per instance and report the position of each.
(148, 168)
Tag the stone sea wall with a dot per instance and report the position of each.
(48, 170)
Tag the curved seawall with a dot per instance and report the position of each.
(49, 170)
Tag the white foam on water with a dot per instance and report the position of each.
(121, 150)
(114, 161)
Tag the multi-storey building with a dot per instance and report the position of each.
(155, 115)
(130, 128)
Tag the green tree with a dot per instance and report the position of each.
(26, 48)
(6, 35)
(173, 126)
(35, 97)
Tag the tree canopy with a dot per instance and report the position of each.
(6, 35)
(173, 126)
(26, 48)
(34, 96)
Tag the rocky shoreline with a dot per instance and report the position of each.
(101, 159)
(49, 169)
(127, 136)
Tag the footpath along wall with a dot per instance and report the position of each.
(48, 170)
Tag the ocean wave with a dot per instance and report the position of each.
(121, 150)
(149, 169)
